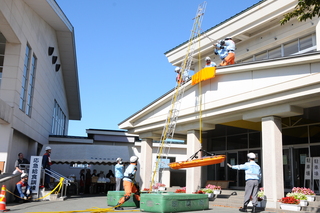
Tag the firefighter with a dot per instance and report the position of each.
(229, 46)
(130, 185)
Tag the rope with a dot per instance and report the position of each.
(59, 185)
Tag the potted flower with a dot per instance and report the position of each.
(290, 203)
(308, 192)
(182, 190)
(214, 188)
(299, 196)
(260, 194)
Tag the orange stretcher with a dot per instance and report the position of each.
(208, 160)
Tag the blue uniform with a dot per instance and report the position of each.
(212, 64)
(253, 178)
(252, 170)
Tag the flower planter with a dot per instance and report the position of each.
(311, 198)
(260, 204)
(290, 207)
(303, 203)
(210, 196)
(216, 192)
(162, 188)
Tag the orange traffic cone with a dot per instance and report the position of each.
(3, 199)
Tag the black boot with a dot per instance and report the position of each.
(243, 209)
(254, 209)
(118, 207)
(136, 202)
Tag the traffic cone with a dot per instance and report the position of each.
(3, 200)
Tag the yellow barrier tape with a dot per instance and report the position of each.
(58, 185)
(93, 210)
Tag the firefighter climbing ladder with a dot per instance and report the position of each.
(173, 114)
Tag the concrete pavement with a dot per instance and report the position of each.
(99, 203)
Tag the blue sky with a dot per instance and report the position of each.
(120, 48)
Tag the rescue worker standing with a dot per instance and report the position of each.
(129, 184)
(230, 47)
(118, 173)
(253, 178)
(46, 163)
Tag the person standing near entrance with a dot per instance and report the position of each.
(253, 178)
(118, 173)
(46, 164)
(129, 184)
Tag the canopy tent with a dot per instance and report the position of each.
(89, 154)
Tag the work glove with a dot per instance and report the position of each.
(229, 165)
(25, 197)
(28, 192)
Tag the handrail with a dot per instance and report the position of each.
(57, 176)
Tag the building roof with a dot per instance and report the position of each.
(50, 11)
(220, 24)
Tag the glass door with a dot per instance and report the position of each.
(299, 156)
(232, 174)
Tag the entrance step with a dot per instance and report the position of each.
(226, 199)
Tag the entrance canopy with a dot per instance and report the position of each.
(89, 154)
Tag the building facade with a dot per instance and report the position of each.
(267, 103)
(39, 88)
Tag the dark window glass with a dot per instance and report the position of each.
(314, 132)
(297, 135)
(217, 144)
(237, 142)
(254, 140)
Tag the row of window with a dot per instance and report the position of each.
(27, 88)
(28, 77)
(298, 46)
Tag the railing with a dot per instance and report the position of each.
(57, 176)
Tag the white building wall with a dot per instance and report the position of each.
(23, 26)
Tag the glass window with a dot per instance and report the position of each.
(217, 144)
(297, 135)
(58, 120)
(261, 56)
(237, 141)
(274, 53)
(247, 59)
(254, 140)
(31, 85)
(290, 48)
(23, 92)
(314, 132)
(305, 42)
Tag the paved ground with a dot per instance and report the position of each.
(94, 204)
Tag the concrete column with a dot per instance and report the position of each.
(6, 133)
(146, 163)
(193, 179)
(318, 35)
(272, 160)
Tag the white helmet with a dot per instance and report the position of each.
(251, 155)
(208, 58)
(24, 175)
(133, 159)
(119, 159)
(48, 147)
(177, 69)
